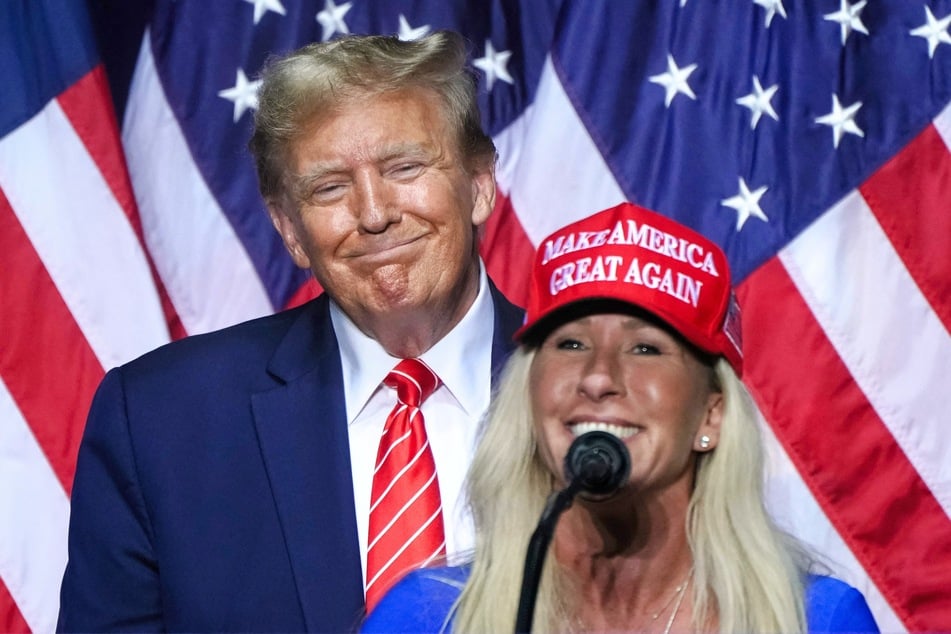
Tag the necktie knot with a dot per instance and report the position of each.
(406, 527)
(413, 381)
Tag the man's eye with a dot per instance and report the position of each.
(646, 348)
(407, 169)
(326, 191)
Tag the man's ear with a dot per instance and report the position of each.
(289, 231)
(483, 192)
(708, 434)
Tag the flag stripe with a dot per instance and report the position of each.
(10, 618)
(68, 224)
(510, 258)
(798, 512)
(208, 275)
(33, 518)
(847, 329)
(846, 455)
(42, 342)
(942, 124)
(547, 190)
(917, 181)
(872, 299)
(88, 107)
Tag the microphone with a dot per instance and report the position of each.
(597, 463)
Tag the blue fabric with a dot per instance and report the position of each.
(421, 601)
(213, 488)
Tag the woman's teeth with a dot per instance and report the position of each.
(620, 431)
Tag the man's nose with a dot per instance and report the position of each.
(375, 208)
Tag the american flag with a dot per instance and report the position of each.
(810, 138)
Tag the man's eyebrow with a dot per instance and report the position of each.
(409, 149)
(404, 149)
(316, 172)
(300, 184)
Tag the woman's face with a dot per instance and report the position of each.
(628, 376)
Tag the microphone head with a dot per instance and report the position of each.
(597, 463)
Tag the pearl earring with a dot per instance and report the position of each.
(704, 442)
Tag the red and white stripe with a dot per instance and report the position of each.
(78, 298)
(846, 334)
(859, 459)
(395, 480)
(209, 276)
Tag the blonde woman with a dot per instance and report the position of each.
(631, 329)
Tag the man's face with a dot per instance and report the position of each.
(385, 207)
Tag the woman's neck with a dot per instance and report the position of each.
(628, 561)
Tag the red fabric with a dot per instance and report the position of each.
(856, 470)
(406, 524)
(42, 340)
(637, 256)
(11, 620)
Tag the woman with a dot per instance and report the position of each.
(632, 329)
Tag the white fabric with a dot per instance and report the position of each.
(463, 362)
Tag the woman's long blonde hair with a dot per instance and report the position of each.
(747, 573)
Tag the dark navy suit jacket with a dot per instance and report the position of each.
(213, 488)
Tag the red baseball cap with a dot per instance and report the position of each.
(633, 255)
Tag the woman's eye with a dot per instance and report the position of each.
(569, 344)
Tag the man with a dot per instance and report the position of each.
(224, 482)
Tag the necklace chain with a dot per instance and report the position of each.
(678, 594)
(680, 598)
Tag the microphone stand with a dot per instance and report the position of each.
(597, 463)
(557, 503)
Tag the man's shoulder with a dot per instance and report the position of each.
(251, 342)
(509, 316)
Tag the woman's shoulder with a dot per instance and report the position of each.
(834, 606)
(420, 602)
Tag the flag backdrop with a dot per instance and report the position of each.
(810, 138)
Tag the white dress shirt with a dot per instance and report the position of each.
(463, 361)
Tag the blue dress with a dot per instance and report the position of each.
(420, 602)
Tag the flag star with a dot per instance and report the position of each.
(935, 31)
(772, 8)
(263, 6)
(746, 204)
(841, 120)
(408, 33)
(674, 80)
(848, 17)
(494, 65)
(758, 102)
(331, 19)
(244, 94)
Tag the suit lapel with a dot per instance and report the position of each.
(508, 319)
(302, 429)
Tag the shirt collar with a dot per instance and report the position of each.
(461, 359)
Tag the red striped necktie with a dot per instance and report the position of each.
(406, 524)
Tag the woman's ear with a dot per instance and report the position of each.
(708, 434)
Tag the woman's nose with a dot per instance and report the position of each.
(602, 376)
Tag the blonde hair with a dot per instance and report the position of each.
(323, 76)
(747, 574)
